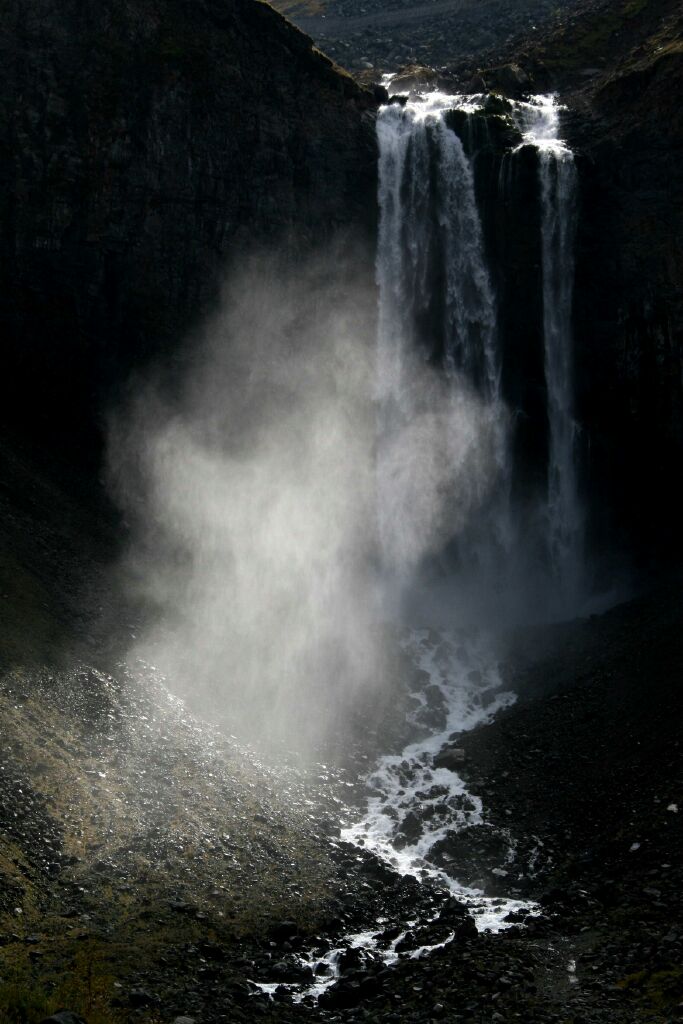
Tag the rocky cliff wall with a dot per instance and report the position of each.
(144, 145)
(618, 67)
(629, 300)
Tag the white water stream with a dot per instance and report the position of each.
(465, 689)
(464, 679)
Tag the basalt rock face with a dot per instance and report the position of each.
(618, 66)
(629, 302)
(144, 146)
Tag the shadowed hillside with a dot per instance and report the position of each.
(144, 146)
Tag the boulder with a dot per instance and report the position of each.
(414, 78)
(452, 758)
(510, 80)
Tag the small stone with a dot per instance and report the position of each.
(140, 997)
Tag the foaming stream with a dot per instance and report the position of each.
(411, 795)
(417, 804)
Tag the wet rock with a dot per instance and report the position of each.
(509, 79)
(414, 79)
(451, 758)
(389, 934)
(342, 996)
(292, 973)
(350, 959)
(472, 850)
(410, 829)
(408, 943)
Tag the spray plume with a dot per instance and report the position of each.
(251, 486)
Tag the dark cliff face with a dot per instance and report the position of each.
(629, 302)
(618, 66)
(144, 146)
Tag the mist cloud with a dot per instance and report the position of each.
(264, 535)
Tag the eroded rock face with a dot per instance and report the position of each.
(629, 310)
(144, 147)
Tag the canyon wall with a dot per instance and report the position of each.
(629, 300)
(144, 147)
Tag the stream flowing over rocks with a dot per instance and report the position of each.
(417, 807)
(418, 802)
(91, 762)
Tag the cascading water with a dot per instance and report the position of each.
(430, 226)
(557, 174)
(438, 305)
(437, 309)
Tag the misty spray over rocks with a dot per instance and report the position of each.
(251, 485)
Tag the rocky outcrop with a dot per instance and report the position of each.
(629, 305)
(619, 69)
(143, 147)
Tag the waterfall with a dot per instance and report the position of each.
(558, 173)
(437, 312)
(438, 307)
(470, 307)
(429, 215)
(557, 178)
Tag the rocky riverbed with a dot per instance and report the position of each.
(154, 867)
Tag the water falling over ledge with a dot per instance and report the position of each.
(439, 282)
